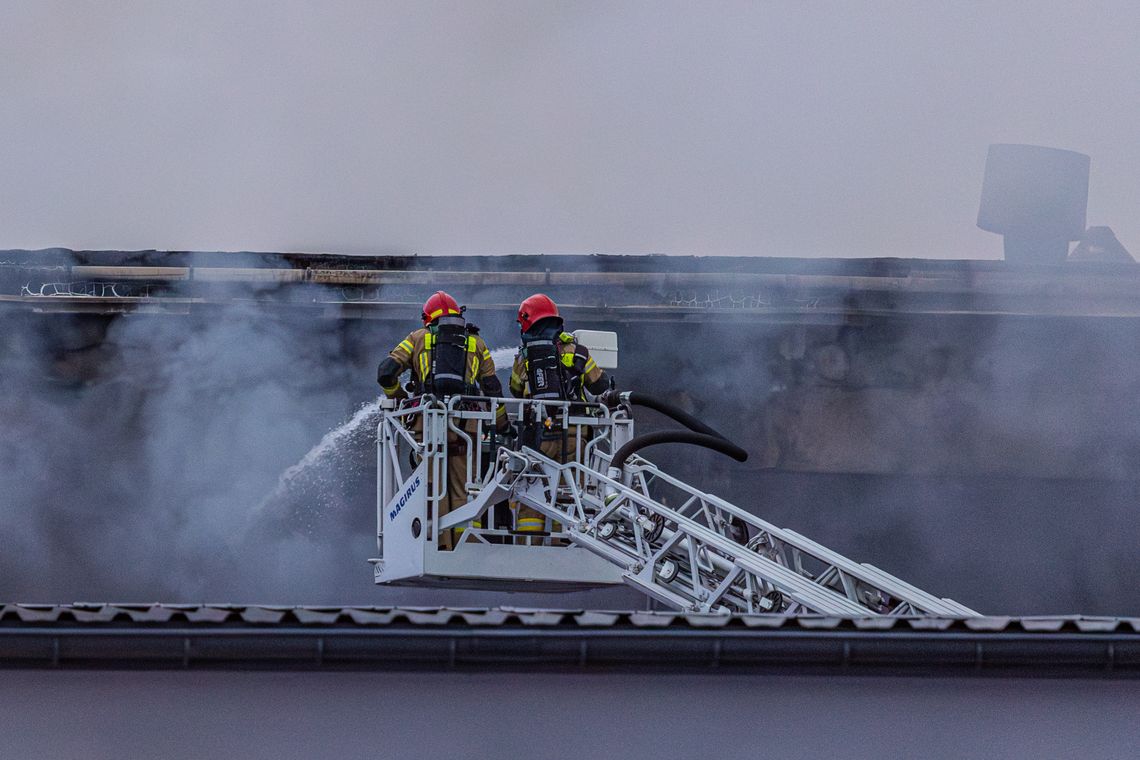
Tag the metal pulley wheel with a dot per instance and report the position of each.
(651, 525)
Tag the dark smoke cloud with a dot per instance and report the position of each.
(992, 461)
(136, 481)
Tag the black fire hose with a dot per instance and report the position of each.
(679, 415)
(714, 442)
(702, 435)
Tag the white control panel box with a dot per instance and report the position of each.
(603, 346)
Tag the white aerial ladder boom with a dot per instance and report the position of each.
(607, 522)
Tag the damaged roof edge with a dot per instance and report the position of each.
(884, 266)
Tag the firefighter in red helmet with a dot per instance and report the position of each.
(541, 326)
(446, 357)
(552, 365)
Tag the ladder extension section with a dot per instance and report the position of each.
(704, 555)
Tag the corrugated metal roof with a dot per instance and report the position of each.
(288, 637)
(284, 615)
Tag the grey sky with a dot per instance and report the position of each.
(845, 129)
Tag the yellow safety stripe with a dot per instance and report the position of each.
(424, 365)
(591, 365)
(501, 411)
(429, 340)
(530, 525)
(390, 389)
(439, 313)
(474, 524)
(406, 345)
(473, 365)
(487, 354)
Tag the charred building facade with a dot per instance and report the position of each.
(968, 424)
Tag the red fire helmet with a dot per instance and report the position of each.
(536, 307)
(439, 305)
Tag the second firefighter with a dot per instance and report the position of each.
(551, 366)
